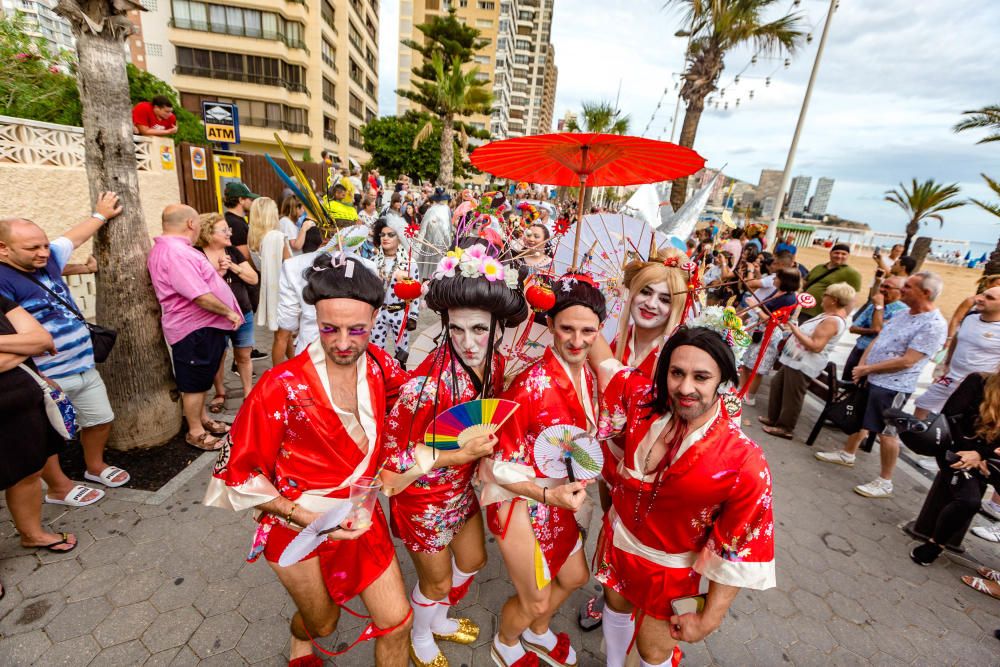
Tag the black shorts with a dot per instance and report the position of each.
(880, 400)
(197, 357)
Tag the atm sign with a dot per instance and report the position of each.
(222, 124)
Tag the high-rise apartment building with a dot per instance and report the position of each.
(769, 184)
(518, 59)
(307, 69)
(821, 198)
(797, 194)
(41, 21)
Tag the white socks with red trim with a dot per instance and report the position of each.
(548, 640)
(618, 629)
(669, 662)
(441, 624)
(424, 612)
(509, 654)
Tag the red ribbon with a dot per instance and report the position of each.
(778, 317)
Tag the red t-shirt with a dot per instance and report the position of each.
(142, 114)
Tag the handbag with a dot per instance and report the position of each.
(102, 338)
(847, 409)
(925, 437)
(58, 408)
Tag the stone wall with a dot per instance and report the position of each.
(42, 178)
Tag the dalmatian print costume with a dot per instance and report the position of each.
(390, 317)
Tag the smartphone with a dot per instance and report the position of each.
(689, 605)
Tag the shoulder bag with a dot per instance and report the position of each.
(58, 408)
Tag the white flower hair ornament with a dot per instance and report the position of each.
(726, 323)
(474, 262)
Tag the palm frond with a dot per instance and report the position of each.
(986, 118)
(423, 135)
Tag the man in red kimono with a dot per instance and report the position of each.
(310, 428)
(532, 514)
(691, 520)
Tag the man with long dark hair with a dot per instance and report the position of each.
(691, 520)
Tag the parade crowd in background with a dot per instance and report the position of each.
(351, 407)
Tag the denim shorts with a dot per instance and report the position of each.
(243, 337)
(881, 399)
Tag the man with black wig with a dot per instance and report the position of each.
(532, 514)
(691, 521)
(310, 428)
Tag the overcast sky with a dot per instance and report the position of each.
(895, 76)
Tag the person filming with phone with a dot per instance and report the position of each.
(691, 518)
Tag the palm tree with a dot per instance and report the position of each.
(715, 27)
(137, 374)
(993, 263)
(986, 118)
(599, 118)
(922, 202)
(454, 92)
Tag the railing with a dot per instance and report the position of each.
(255, 121)
(30, 142)
(330, 136)
(330, 100)
(243, 77)
(356, 143)
(238, 31)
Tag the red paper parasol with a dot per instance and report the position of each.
(586, 160)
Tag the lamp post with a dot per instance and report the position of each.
(779, 200)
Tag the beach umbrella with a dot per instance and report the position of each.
(586, 160)
(968, 255)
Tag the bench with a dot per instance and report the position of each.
(824, 387)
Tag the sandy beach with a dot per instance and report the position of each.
(959, 281)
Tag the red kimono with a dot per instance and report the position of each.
(547, 397)
(289, 439)
(429, 506)
(709, 518)
(648, 365)
(613, 448)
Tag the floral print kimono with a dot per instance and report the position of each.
(547, 397)
(429, 506)
(708, 519)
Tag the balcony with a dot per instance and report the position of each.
(242, 77)
(329, 100)
(330, 136)
(357, 143)
(237, 31)
(252, 121)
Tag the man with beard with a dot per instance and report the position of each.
(310, 429)
(532, 514)
(691, 520)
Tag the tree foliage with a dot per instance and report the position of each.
(923, 202)
(39, 84)
(389, 141)
(600, 117)
(987, 118)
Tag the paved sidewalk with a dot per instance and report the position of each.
(158, 579)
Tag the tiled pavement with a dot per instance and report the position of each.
(158, 579)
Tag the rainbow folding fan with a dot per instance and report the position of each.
(460, 423)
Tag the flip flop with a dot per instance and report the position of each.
(989, 573)
(199, 442)
(980, 585)
(765, 421)
(106, 477)
(217, 404)
(73, 498)
(777, 432)
(216, 427)
(51, 547)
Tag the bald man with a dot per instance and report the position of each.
(199, 310)
(30, 275)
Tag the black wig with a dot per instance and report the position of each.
(342, 278)
(580, 292)
(708, 341)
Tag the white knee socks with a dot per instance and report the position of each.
(443, 625)
(666, 663)
(424, 612)
(618, 629)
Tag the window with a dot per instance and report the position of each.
(330, 129)
(484, 23)
(371, 59)
(329, 92)
(485, 4)
(207, 17)
(522, 45)
(355, 138)
(482, 60)
(254, 113)
(522, 60)
(355, 72)
(369, 87)
(154, 49)
(329, 53)
(239, 67)
(369, 114)
(354, 36)
(356, 106)
(482, 76)
(329, 15)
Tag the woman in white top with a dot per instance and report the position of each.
(804, 357)
(291, 211)
(269, 248)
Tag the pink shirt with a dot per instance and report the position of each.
(180, 274)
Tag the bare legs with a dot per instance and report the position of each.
(24, 500)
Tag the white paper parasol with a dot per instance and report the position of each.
(565, 451)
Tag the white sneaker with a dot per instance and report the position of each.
(991, 509)
(839, 457)
(750, 400)
(878, 488)
(988, 533)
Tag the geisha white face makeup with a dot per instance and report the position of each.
(469, 330)
(651, 306)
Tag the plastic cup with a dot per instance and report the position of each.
(364, 495)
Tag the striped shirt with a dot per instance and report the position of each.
(72, 338)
